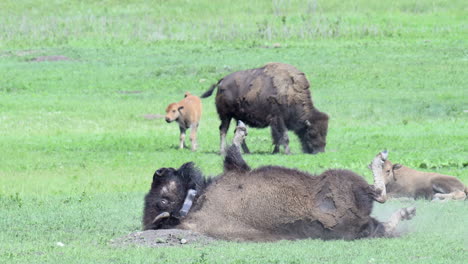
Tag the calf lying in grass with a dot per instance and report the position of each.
(269, 203)
(401, 181)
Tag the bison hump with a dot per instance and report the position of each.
(291, 84)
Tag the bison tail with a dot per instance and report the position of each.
(234, 161)
(210, 91)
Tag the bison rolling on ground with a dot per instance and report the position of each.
(401, 181)
(187, 113)
(275, 95)
(268, 203)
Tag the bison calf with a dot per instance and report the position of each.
(401, 181)
(268, 203)
(187, 113)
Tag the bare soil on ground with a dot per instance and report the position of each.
(162, 238)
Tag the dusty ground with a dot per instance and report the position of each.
(153, 116)
(51, 58)
(162, 238)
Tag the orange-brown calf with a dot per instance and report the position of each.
(187, 113)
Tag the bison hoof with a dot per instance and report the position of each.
(407, 213)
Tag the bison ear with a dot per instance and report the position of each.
(160, 172)
(157, 176)
(396, 166)
(180, 108)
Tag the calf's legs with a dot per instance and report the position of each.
(182, 137)
(456, 195)
(193, 136)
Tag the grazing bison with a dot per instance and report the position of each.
(268, 203)
(275, 95)
(187, 113)
(401, 181)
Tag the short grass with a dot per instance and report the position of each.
(77, 155)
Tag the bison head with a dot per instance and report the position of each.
(314, 136)
(389, 171)
(173, 112)
(171, 196)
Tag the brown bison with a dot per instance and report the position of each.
(187, 113)
(401, 181)
(275, 95)
(268, 203)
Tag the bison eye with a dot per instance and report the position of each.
(173, 111)
(163, 203)
(388, 171)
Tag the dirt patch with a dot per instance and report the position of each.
(153, 116)
(51, 58)
(162, 238)
(130, 92)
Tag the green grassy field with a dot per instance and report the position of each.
(77, 154)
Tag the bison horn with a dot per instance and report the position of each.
(161, 216)
(160, 172)
(307, 123)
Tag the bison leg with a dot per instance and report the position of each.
(245, 148)
(223, 128)
(379, 182)
(241, 137)
(279, 132)
(240, 133)
(456, 195)
(182, 137)
(193, 136)
(447, 190)
(398, 216)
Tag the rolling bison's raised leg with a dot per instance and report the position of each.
(279, 132)
(240, 133)
(223, 128)
(242, 143)
(379, 182)
(398, 216)
(245, 148)
(182, 137)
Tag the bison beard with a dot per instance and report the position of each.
(275, 95)
(269, 203)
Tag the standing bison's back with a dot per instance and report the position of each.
(275, 95)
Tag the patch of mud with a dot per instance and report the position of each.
(153, 116)
(51, 58)
(162, 238)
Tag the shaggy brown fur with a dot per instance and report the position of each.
(401, 181)
(187, 113)
(275, 95)
(268, 203)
